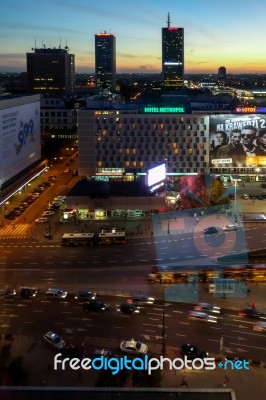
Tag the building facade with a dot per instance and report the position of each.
(123, 143)
(172, 57)
(105, 61)
(51, 71)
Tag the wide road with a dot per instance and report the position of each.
(34, 317)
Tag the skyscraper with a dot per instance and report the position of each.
(172, 56)
(105, 61)
(221, 73)
(51, 71)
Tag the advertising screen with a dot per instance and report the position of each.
(20, 139)
(156, 175)
(238, 141)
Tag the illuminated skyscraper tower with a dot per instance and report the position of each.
(172, 56)
(105, 61)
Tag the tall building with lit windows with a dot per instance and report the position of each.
(51, 71)
(105, 60)
(172, 56)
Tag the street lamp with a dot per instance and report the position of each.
(168, 219)
(235, 203)
(163, 333)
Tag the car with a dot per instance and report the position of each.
(48, 213)
(53, 293)
(260, 326)
(60, 198)
(7, 293)
(128, 308)
(10, 216)
(252, 313)
(85, 295)
(263, 185)
(102, 353)
(253, 196)
(94, 305)
(35, 195)
(202, 316)
(41, 220)
(17, 211)
(141, 299)
(192, 351)
(207, 307)
(133, 347)
(210, 231)
(52, 178)
(54, 340)
(245, 196)
(47, 184)
(27, 293)
(231, 196)
(231, 227)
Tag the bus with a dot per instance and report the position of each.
(173, 275)
(77, 239)
(112, 238)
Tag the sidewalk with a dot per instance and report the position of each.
(38, 360)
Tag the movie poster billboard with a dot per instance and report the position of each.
(20, 139)
(237, 140)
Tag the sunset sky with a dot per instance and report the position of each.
(226, 33)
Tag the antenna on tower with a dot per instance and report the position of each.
(35, 43)
(60, 43)
(168, 20)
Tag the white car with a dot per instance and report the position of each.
(202, 316)
(260, 326)
(232, 227)
(54, 340)
(133, 347)
(41, 220)
(207, 307)
(245, 196)
(48, 213)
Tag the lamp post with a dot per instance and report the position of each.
(167, 201)
(235, 205)
(163, 332)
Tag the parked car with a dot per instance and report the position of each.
(245, 196)
(54, 340)
(192, 351)
(10, 216)
(133, 347)
(48, 213)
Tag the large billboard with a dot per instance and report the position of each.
(155, 177)
(237, 140)
(20, 139)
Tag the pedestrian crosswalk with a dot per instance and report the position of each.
(15, 230)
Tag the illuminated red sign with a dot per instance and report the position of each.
(246, 109)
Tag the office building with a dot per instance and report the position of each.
(172, 57)
(51, 71)
(105, 61)
(123, 143)
(221, 73)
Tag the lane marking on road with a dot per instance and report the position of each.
(243, 322)
(214, 340)
(179, 334)
(237, 326)
(151, 313)
(249, 333)
(149, 330)
(246, 345)
(158, 309)
(154, 319)
(184, 323)
(179, 312)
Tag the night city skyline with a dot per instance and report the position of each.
(213, 35)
